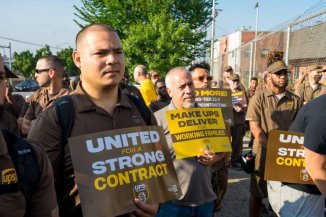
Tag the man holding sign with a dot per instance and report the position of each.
(193, 172)
(99, 105)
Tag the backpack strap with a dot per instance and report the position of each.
(25, 162)
(142, 108)
(64, 108)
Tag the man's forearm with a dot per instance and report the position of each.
(316, 166)
(258, 133)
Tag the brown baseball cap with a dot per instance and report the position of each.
(315, 68)
(234, 77)
(229, 68)
(277, 66)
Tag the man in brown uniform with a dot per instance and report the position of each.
(272, 109)
(49, 74)
(310, 89)
(99, 105)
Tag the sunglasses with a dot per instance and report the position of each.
(38, 71)
(279, 73)
(202, 78)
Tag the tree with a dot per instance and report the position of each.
(160, 34)
(24, 63)
(44, 51)
(66, 56)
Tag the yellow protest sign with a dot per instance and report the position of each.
(114, 167)
(285, 158)
(195, 129)
(216, 98)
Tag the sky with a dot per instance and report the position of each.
(51, 21)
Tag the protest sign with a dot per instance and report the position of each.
(239, 99)
(197, 129)
(285, 158)
(114, 167)
(216, 98)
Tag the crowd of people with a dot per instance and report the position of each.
(102, 101)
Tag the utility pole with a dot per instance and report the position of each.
(9, 47)
(212, 38)
(255, 40)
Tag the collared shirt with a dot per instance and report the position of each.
(41, 100)
(307, 93)
(271, 113)
(147, 90)
(89, 118)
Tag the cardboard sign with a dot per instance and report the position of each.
(216, 98)
(114, 167)
(285, 158)
(196, 129)
(239, 98)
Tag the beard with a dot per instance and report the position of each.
(279, 86)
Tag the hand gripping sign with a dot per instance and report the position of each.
(114, 167)
(196, 129)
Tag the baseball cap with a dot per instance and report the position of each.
(277, 66)
(154, 73)
(314, 67)
(229, 68)
(234, 77)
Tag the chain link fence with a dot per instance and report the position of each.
(303, 42)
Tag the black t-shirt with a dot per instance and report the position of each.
(311, 121)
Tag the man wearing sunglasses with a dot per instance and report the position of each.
(271, 109)
(219, 180)
(48, 74)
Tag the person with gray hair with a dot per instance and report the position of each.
(146, 85)
(194, 173)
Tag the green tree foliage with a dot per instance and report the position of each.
(44, 51)
(66, 56)
(24, 63)
(160, 34)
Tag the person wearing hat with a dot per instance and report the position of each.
(311, 88)
(271, 109)
(238, 128)
(228, 71)
(154, 76)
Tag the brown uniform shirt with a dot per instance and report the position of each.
(42, 202)
(9, 122)
(89, 118)
(41, 100)
(306, 93)
(271, 113)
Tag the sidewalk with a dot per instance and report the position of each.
(236, 200)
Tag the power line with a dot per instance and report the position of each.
(25, 42)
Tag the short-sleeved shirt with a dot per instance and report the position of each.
(307, 93)
(311, 121)
(147, 90)
(194, 178)
(41, 100)
(89, 118)
(271, 113)
(42, 201)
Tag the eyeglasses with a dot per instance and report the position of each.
(39, 71)
(279, 73)
(202, 78)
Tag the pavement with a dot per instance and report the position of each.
(236, 200)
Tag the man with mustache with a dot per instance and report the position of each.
(274, 108)
(194, 173)
(310, 89)
(99, 105)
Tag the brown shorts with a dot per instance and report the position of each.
(258, 186)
